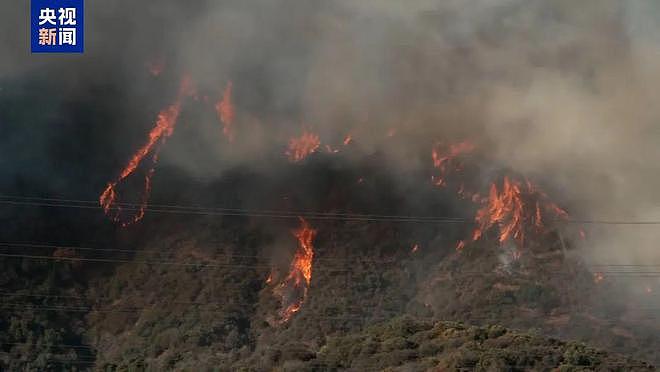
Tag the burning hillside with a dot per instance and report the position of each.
(516, 209)
(164, 127)
(300, 273)
(301, 147)
(251, 184)
(225, 109)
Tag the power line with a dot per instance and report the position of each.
(79, 309)
(10, 245)
(58, 361)
(37, 295)
(95, 204)
(252, 213)
(196, 303)
(217, 211)
(316, 269)
(155, 263)
(133, 309)
(49, 345)
(63, 246)
(610, 274)
(85, 309)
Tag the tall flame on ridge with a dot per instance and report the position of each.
(514, 208)
(163, 129)
(347, 140)
(226, 112)
(444, 159)
(301, 147)
(300, 272)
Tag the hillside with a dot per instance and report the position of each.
(215, 307)
(404, 344)
(331, 185)
(186, 291)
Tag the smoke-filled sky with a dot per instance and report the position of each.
(562, 91)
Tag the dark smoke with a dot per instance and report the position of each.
(562, 91)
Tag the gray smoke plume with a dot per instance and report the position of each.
(561, 91)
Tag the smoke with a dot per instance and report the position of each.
(587, 124)
(559, 91)
(562, 91)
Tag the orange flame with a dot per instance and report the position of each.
(514, 208)
(226, 113)
(300, 147)
(300, 272)
(598, 277)
(347, 139)
(583, 234)
(444, 158)
(157, 136)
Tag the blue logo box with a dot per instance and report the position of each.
(57, 26)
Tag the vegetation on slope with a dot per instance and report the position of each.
(404, 344)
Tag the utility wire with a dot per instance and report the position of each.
(49, 345)
(151, 263)
(251, 213)
(197, 303)
(178, 209)
(620, 273)
(16, 245)
(301, 316)
(95, 204)
(12, 245)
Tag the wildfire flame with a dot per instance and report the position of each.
(300, 271)
(301, 147)
(514, 208)
(598, 277)
(444, 160)
(333, 150)
(163, 129)
(226, 113)
(348, 139)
